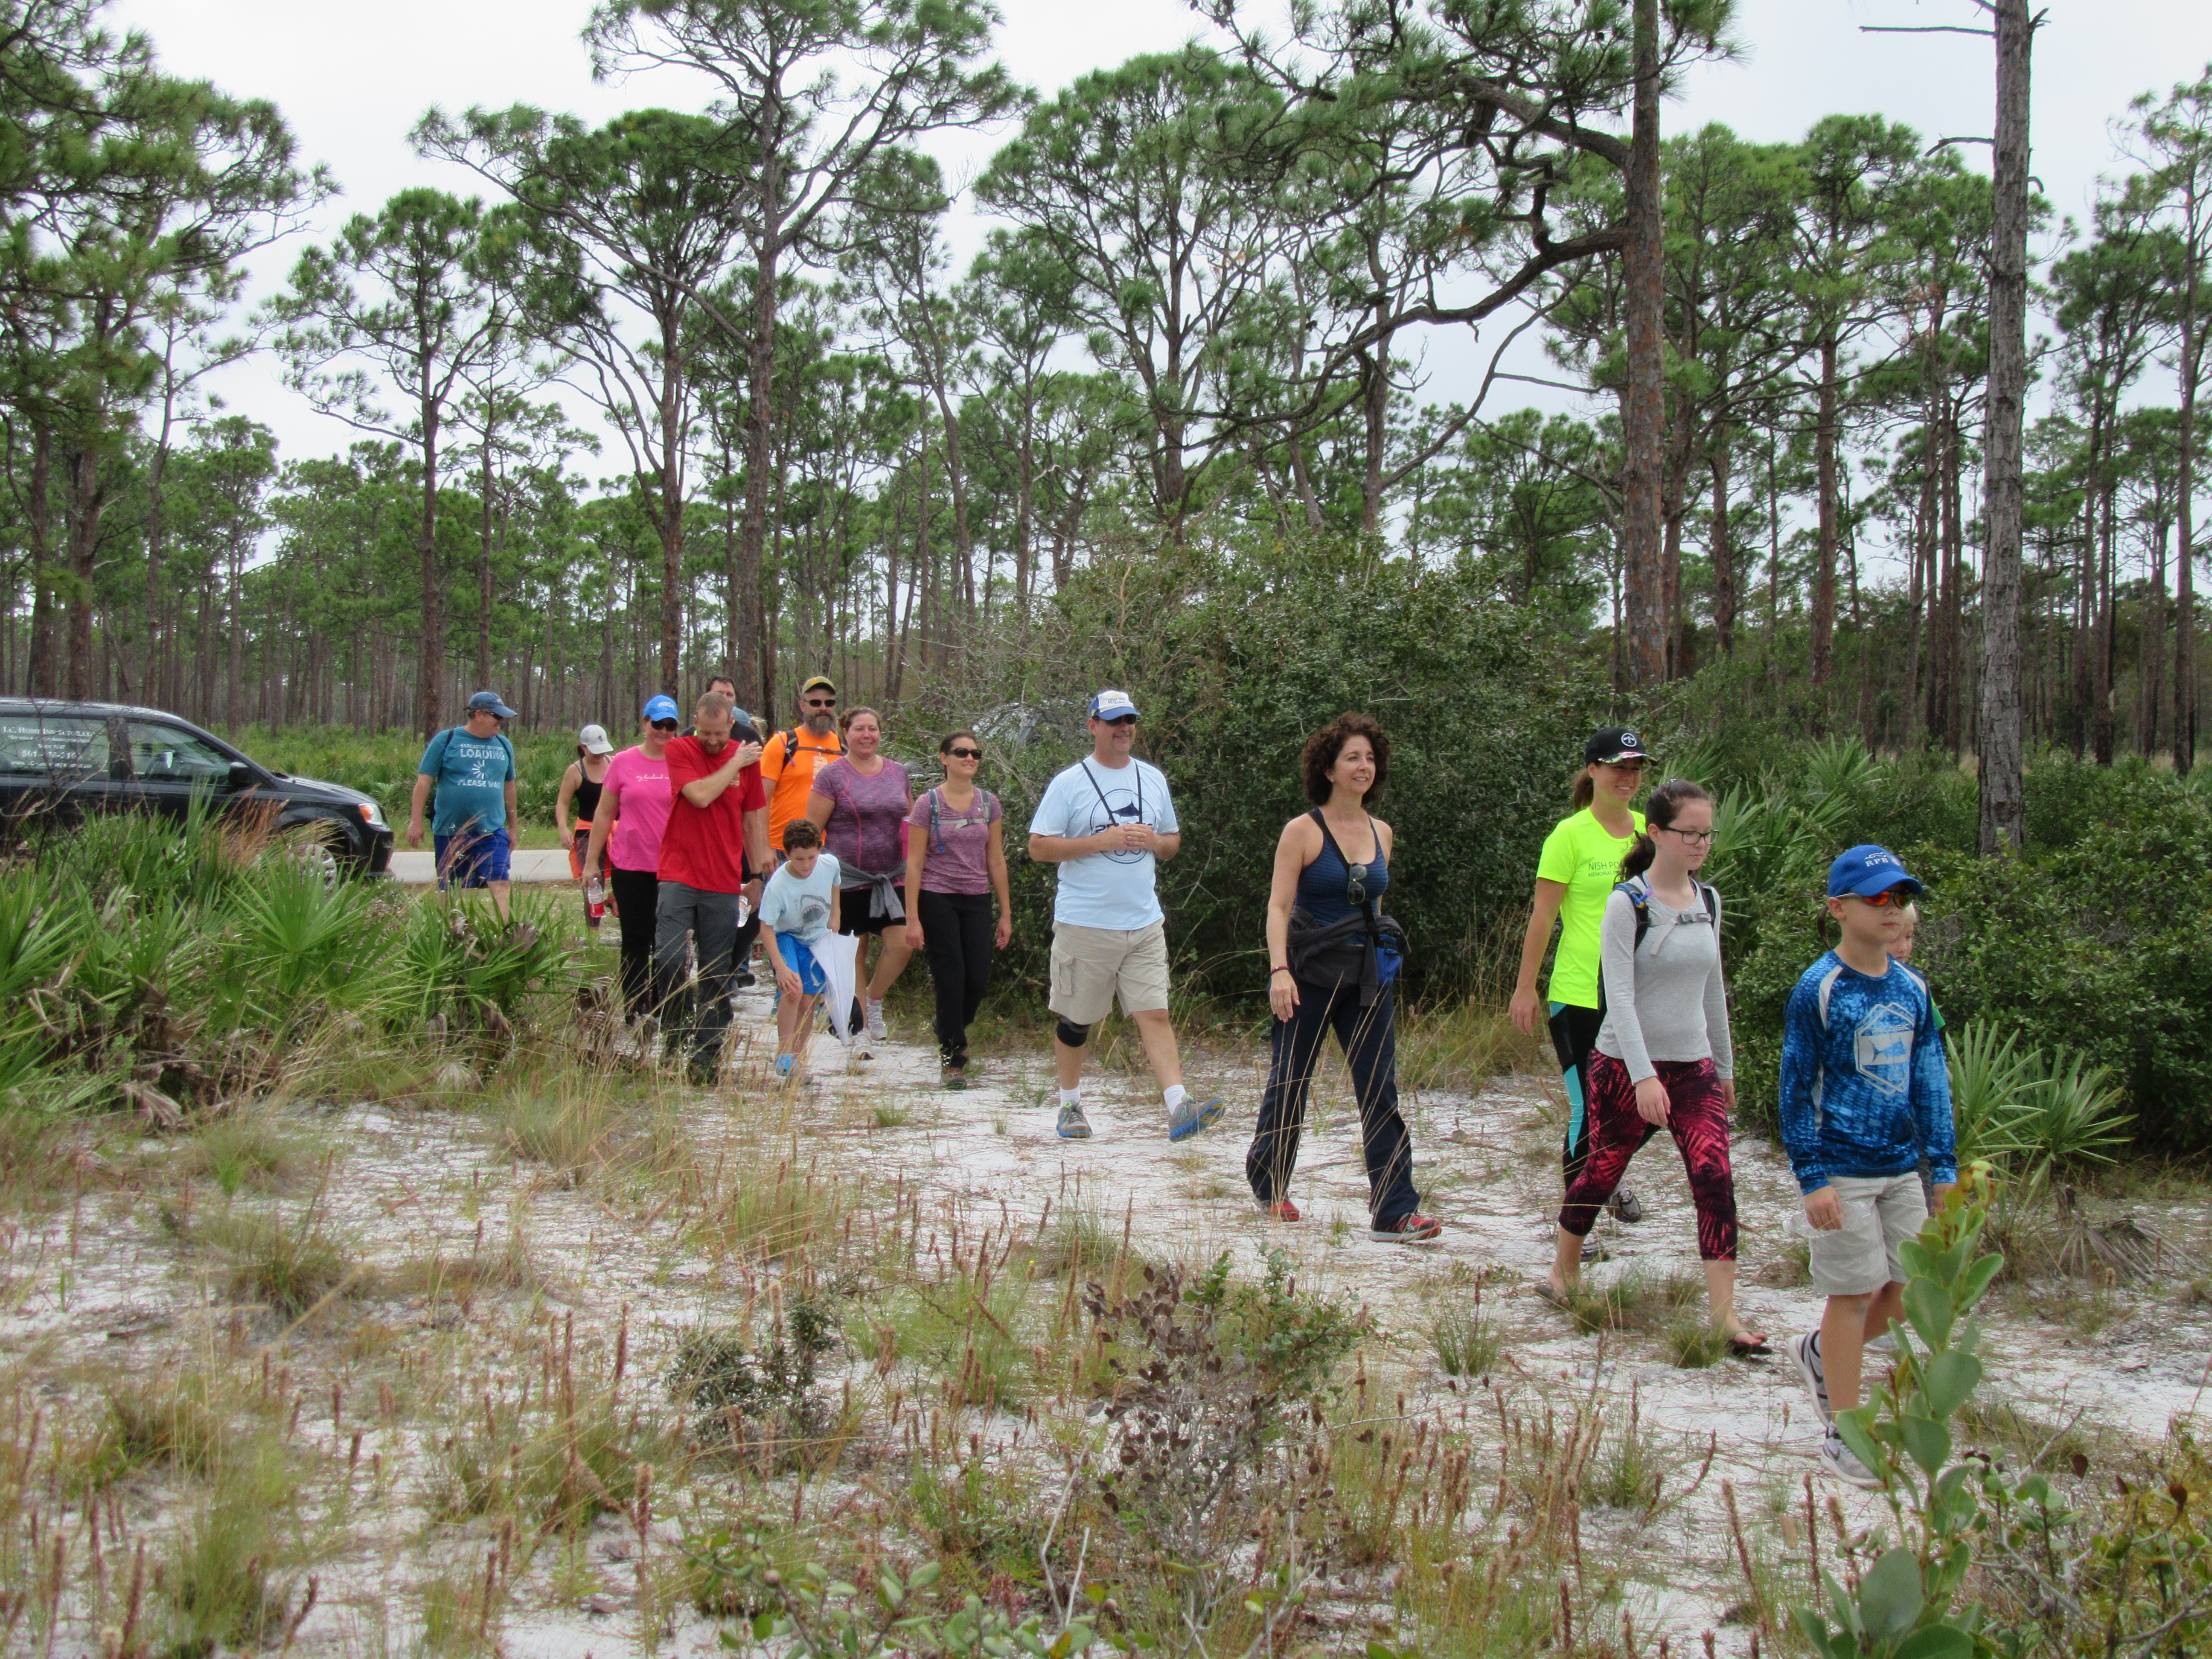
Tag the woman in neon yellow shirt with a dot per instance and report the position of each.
(1575, 875)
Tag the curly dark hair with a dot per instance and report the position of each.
(1326, 744)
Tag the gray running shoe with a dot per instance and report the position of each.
(1592, 1250)
(1624, 1204)
(1073, 1126)
(1805, 1354)
(1192, 1118)
(1842, 1462)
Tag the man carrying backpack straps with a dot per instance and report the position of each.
(791, 757)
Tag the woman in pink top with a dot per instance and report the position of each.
(859, 804)
(633, 802)
(956, 860)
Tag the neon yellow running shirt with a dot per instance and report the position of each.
(1584, 856)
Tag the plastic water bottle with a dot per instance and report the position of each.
(595, 901)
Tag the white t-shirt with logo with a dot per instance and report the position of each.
(1115, 889)
(789, 905)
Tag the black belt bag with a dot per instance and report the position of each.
(1344, 952)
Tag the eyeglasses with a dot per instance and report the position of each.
(1690, 838)
(1900, 894)
(965, 754)
(664, 726)
(821, 702)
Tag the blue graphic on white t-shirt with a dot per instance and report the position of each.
(1881, 1048)
(1113, 889)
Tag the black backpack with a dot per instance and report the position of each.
(1639, 895)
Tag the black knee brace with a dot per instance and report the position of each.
(1073, 1035)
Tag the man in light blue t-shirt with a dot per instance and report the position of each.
(471, 769)
(1108, 821)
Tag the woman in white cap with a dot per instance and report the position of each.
(573, 810)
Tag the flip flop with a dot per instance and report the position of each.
(1748, 1345)
(1557, 1298)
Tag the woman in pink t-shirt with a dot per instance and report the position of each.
(859, 804)
(633, 802)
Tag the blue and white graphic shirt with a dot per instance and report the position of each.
(1863, 1088)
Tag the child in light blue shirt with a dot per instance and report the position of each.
(797, 910)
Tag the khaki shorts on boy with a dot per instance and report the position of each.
(1879, 1213)
(1089, 965)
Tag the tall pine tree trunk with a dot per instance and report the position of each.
(1643, 404)
(1824, 578)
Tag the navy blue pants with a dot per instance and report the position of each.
(1369, 1037)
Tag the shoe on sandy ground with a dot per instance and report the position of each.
(1805, 1354)
(952, 1076)
(1624, 1204)
(1592, 1250)
(873, 1025)
(1409, 1228)
(1842, 1462)
(1073, 1125)
(1283, 1210)
(1193, 1118)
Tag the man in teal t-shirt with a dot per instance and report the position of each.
(472, 769)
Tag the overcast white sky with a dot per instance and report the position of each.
(353, 78)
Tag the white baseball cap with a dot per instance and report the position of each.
(594, 740)
(1112, 706)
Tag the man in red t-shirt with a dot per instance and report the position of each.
(712, 852)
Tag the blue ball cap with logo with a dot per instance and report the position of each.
(489, 699)
(1112, 706)
(662, 708)
(1866, 869)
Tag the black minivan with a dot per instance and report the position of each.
(70, 759)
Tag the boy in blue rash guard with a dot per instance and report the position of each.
(1864, 1097)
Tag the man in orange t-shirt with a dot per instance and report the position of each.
(788, 763)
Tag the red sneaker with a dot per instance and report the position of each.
(1407, 1230)
(1283, 1210)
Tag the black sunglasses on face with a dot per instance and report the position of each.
(664, 726)
(1126, 720)
(965, 754)
(821, 702)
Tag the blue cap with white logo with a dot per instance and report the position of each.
(1867, 870)
(662, 708)
(1112, 706)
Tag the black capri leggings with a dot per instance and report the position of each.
(955, 933)
(637, 895)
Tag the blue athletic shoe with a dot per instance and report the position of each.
(1073, 1125)
(1190, 1118)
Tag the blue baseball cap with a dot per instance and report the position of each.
(662, 709)
(1866, 869)
(484, 701)
(1112, 706)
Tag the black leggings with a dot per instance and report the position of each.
(1574, 1035)
(956, 931)
(1369, 1037)
(637, 895)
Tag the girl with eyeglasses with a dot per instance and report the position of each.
(1663, 1059)
(956, 862)
(1334, 960)
(1575, 872)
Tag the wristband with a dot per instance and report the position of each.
(1280, 968)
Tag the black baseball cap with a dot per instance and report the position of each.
(1613, 743)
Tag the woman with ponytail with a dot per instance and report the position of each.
(1663, 1058)
(1580, 862)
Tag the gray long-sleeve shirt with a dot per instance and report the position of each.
(1667, 1002)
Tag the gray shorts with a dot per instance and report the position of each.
(1879, 1213)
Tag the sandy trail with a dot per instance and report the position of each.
(100, 1288)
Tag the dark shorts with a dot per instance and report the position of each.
(852, 915)
(469, 860)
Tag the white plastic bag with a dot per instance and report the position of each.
(839, 955)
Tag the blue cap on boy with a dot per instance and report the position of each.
(1866, 869)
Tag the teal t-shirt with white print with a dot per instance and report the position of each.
(468, 777)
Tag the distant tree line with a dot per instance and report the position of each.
(1212, 286)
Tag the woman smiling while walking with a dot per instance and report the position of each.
(859, 803)
(956, 860)
(1335, 959)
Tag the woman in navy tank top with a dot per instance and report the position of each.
(1330, 863)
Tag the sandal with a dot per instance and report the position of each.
(1746, 1344)
(1283, 1210)
(1548, 1291)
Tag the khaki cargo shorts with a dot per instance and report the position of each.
(1879, 1213)
(1089, 965)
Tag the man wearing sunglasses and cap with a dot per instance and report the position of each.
(791, 758)
(1107, 822)
(1865, 1096)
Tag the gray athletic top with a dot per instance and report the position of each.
(1670, 1003)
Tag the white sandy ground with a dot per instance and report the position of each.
(100, 1287)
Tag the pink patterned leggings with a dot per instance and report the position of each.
(1698, 1121)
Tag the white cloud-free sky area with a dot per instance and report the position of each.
(353, 79)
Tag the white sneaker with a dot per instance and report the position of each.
(877, 1031)
(1842, 1462)
(1805, 1353)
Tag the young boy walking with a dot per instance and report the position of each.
(797, 910)
(1864, 1098)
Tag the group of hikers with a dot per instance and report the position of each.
(708, 838)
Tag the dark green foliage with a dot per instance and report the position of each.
(720, 1377)
(1236, 655)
